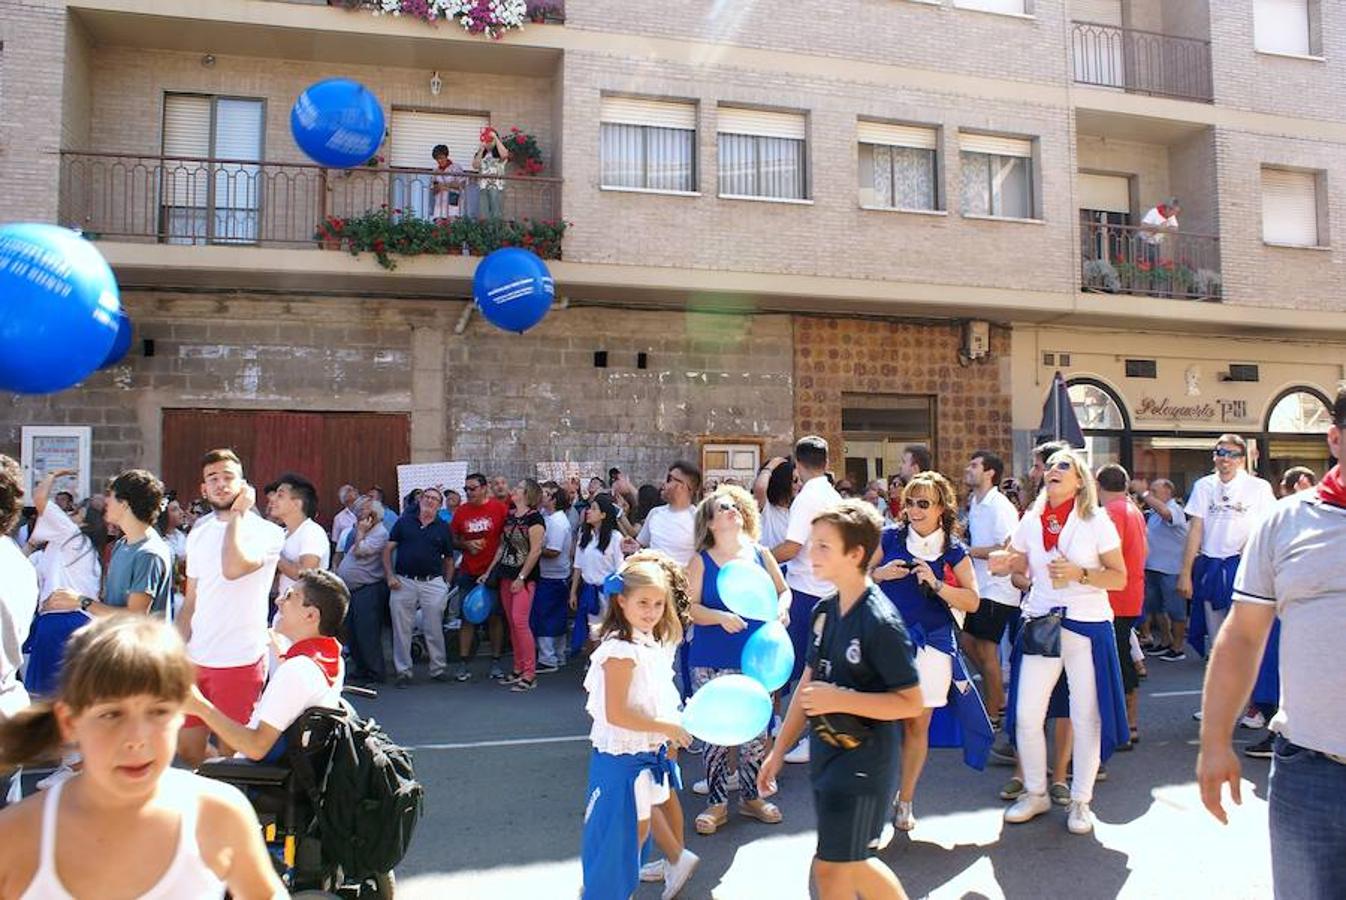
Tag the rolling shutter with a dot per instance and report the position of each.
(1110, 193)
(1013, 7)
(415, 134)
(889, 135)
(995, 144)
(761, 123)
(653, 113)
(1099, 12)
(1289, 207)
(186, 125)
(1281, 26)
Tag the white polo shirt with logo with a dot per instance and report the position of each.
(1228, 511)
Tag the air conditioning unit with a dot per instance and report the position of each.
(1241, 372)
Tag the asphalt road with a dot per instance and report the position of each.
(505, 779)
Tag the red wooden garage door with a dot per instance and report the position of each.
(329, 449)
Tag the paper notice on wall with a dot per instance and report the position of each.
(560, 471)
(443, 475)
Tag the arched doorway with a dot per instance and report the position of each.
(1296, 422)
(1103, 419)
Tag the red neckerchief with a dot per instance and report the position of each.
(325, 651)
(1332, 489)
(1162, 210)
(1054, 521)
(895, 508)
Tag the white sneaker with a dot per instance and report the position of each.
(1028, 806)
(1078, 819)
(800, 753)
(652, 871)
(676, 874)
(702, 787)
(1254, 721)
(1197, 715)
(905, 820)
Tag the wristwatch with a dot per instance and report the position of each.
(1084, 575)
(85, 602)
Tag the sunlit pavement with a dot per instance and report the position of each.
(505, 776)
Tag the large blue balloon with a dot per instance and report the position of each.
(58, 308)
(769, 656)
(478, 604)
(513, 289)
(337, 122)
(728, 711)
(121, 345)
(746, 589)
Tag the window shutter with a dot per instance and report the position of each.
(1110, 193)
(1281, 26)
(1289, 207)
(1001, 6)
(995, 144)
(760, 122)
(415, 134)
(186, 125)
(889, 135)
(653, 113)
(1099, 12)
(238, 129)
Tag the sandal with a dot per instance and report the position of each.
(710, 821)
(1012, 789)
(1135, 735)
(760, 810)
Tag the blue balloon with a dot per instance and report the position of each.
(513, 289)
(769, 656)
(337, 122)
(121, 345)
(747, 589)
(58, 308)
(478, 604)
(728, 711)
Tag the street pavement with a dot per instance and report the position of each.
(505, 777)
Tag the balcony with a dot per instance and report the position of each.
(198, 201)
(1126, 259)
(1141, 62)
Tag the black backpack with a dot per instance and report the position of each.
(367, 803)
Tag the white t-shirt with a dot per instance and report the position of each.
(1228, 511)
(816, 495)
(672, 531)
(295, 685)
(229, 624)
(775, 523)
(595, 564)
(557, 538)
(18, 602)
(307, 540)
(1083, 542)
(652, 692)
(1155, 219)
(990, 522)
(69, 560)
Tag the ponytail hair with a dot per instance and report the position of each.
(651, 568)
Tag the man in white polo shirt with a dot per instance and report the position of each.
(815, 496)
(991, 519)
(231, 561)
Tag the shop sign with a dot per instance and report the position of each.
(1194, 411)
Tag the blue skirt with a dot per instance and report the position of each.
(609, 854)
(1213, 582)
(551, 605)
(46, 647)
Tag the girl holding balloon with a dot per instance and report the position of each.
(636, 732)
(726, 526)
(909, 567)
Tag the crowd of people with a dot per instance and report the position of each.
(917, 620)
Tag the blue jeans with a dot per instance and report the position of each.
(1308, 824)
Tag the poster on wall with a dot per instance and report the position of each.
(443, 475)
(561, 470)
(51, 448)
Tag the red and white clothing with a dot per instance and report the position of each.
(230, 620)
(311, 674)
(479, 521)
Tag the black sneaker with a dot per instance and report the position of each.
(1262, 749)
(1171, 655)
(1155, 650)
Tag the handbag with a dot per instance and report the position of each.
(1041, 635)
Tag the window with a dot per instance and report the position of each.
(897, 166)
(762, 154)
(413, 136)
(647, 144)
(202, 201)
(720, 462)
(997, 176)
(1105, 427)
(1282, 26)
(1300, 412)
(1290, 208)
(1005, 7)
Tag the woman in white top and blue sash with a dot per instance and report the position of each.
(1069, 548)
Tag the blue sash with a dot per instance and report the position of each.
(1107, 682)
(587, 603)
(962, 722)
(1267, 690)
(1213, 581)
(550, 606)
(609, 853)
(46, 647)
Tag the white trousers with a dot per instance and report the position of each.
(1037, 677)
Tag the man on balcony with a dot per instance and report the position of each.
(1162, 218)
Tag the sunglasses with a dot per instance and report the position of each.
(918, 502)
(1062, 466)
(1226, 453)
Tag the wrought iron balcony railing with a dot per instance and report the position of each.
(1141, 62)
(1126, 259)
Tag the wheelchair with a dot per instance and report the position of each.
(286, 812)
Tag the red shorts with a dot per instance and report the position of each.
(233, 690)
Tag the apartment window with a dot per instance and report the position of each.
(897, 166)
(1283, 26)
(412, 138)
(1290, 208)
(997, 175)
(647, 144)
(1005, 7)
(203, 201)
(762, 154)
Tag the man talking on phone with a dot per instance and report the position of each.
(231, 561)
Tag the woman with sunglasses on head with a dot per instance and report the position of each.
(1069, 546)
(909, 568)
(727, 530)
